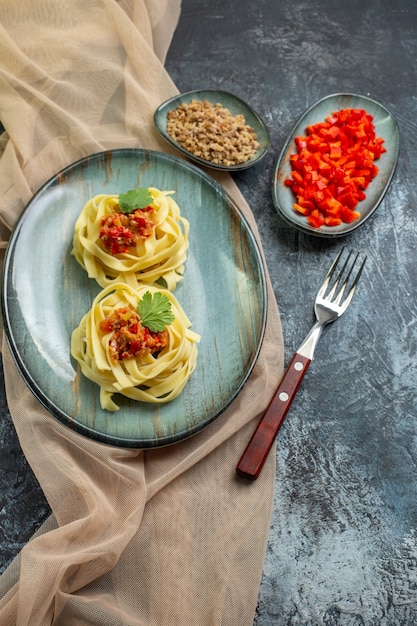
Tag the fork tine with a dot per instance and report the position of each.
(329, 275)
(339, 276)
(336, 287)
(353, 286)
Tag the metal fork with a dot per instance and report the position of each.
(328, 307)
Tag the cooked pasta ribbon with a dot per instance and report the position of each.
(149, 378)
(161, 255)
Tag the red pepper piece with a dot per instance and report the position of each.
(333, 164)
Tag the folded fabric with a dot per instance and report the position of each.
(167, 536)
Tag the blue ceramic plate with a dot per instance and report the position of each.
(385, 127)
(227, 100)
(45, 294)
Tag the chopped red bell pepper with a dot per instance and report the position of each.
(333, 165)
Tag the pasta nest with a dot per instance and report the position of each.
(149, 378)
(161, 255)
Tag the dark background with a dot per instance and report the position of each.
(343, 544)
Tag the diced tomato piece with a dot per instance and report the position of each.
(134, 347)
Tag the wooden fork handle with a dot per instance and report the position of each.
(257, 450)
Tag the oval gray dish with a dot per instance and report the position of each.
(385, 127)
(234, 104)
(46, 292)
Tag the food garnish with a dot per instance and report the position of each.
(138, 198)
(155, 311)
(333, 165)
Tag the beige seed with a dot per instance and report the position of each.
(212, 133)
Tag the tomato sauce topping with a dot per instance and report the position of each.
(129, 338)
(119, 231)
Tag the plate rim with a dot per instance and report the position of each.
(67, 420)
(224, 168)
(348, 228)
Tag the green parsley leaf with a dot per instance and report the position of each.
(135, 199)
(155, 311)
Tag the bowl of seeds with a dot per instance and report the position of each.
(213, 128)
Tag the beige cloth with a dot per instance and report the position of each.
(165, 537)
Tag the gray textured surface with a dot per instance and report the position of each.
(343, 543)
